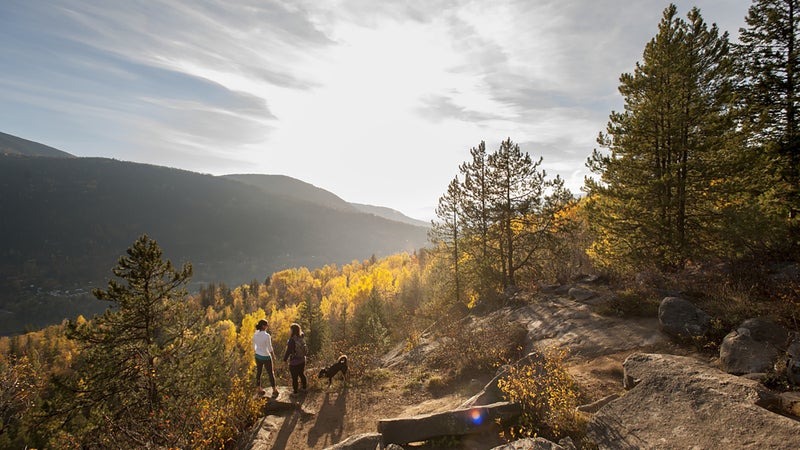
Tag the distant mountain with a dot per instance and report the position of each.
(292, 187)
(12, 145)
(67, 220)
(389, 213)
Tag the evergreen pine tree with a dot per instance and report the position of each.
(517, 189)
(144, 364)
(769, 59)
(656, 201)
(477, 217)
(447, 231)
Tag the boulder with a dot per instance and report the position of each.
(581, 294)
(680, 318)
(538, 443)
(365, 441)
(741, 354)
(449, 423)
(680, 402)
(754, 347)
(763, 330)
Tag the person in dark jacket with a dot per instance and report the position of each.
(297, 360)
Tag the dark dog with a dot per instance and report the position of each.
(329, 372)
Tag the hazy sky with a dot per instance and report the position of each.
(375, 101)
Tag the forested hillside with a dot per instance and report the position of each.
(67, 220)
(13, 145)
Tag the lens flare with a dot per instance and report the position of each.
(476, 416)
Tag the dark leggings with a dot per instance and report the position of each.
(260, 365)
(297, 372)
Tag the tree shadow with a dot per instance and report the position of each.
(330, 420)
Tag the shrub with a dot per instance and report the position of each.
(547, 394)
(467, 350)
(630, 303)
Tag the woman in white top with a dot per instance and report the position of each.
(262, 343)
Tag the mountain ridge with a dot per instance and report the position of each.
(293, 187)
(13, 145)
(68, 219)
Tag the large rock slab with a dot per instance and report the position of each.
(449, 423)
(565, 323)
(680, 402)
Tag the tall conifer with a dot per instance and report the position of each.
(447, 232)
(144, 364)
(667, 149)
(770, 65)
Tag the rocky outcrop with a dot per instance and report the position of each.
(682, 319)
(565, 323)
(680, 402)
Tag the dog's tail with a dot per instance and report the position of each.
(343, 359)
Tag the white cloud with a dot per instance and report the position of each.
(378, 102)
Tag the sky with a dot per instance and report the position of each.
(378, 102)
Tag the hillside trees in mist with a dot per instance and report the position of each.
(499, 220)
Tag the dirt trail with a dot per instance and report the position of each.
(598, 345)
(324, 416)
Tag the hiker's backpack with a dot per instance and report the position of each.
(300, 347)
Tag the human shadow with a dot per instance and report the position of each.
(295, 416)
(330, 419)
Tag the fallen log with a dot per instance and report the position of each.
(458, 422)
